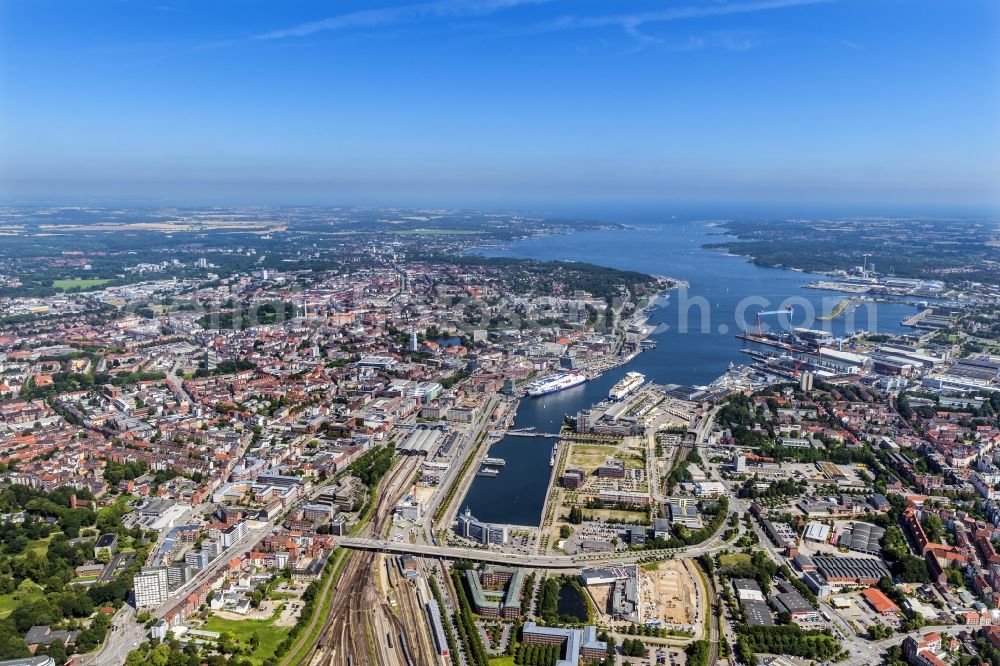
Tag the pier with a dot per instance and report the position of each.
(839, 309)
(915, 319)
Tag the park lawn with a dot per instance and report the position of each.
(40, 546)
(502, 661)
(268, 634)
(28, 591)
(7, 604)
(82, 283)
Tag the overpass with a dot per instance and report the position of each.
(522, 559)
(459, 553)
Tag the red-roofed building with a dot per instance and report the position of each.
(975, 619)
(923, 652)
(947, 556)
(882, 604)
(992, 634)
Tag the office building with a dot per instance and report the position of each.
(575, 643)
(233, 534)
(475, 530)
(152, 587)
(502, 595)
(178, 574)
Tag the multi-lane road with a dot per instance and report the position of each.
(125, 633)
(526, 560)
(452, 477)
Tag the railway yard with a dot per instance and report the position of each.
(376, 616)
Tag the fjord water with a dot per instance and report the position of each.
(692, 357)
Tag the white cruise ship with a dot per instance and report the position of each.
(628, 384)
(554, 383)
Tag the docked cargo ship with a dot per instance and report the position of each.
(628, 384)
(555, 383)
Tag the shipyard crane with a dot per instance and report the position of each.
(757, 324)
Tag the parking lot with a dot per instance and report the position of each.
(860, 615)
(594, 530)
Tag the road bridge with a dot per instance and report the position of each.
(524, 559)
(533, 433)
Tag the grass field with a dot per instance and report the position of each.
(613, 515)
(8, 603)
(595, 449)
(733, 559)
(268, 634)
(40, 546)
(81, 283)
(502, 661)
(26, 592)
(634, 462)
(589, 457)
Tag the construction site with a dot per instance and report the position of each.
(666, 594)
(674, 595)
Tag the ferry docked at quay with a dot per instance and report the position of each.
(555, 383)
(627, 386)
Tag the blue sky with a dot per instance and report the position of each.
(868, 103)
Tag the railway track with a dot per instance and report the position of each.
(422, 647)
(359, 611)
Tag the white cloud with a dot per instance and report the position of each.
(370, 18)
(630, 21)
